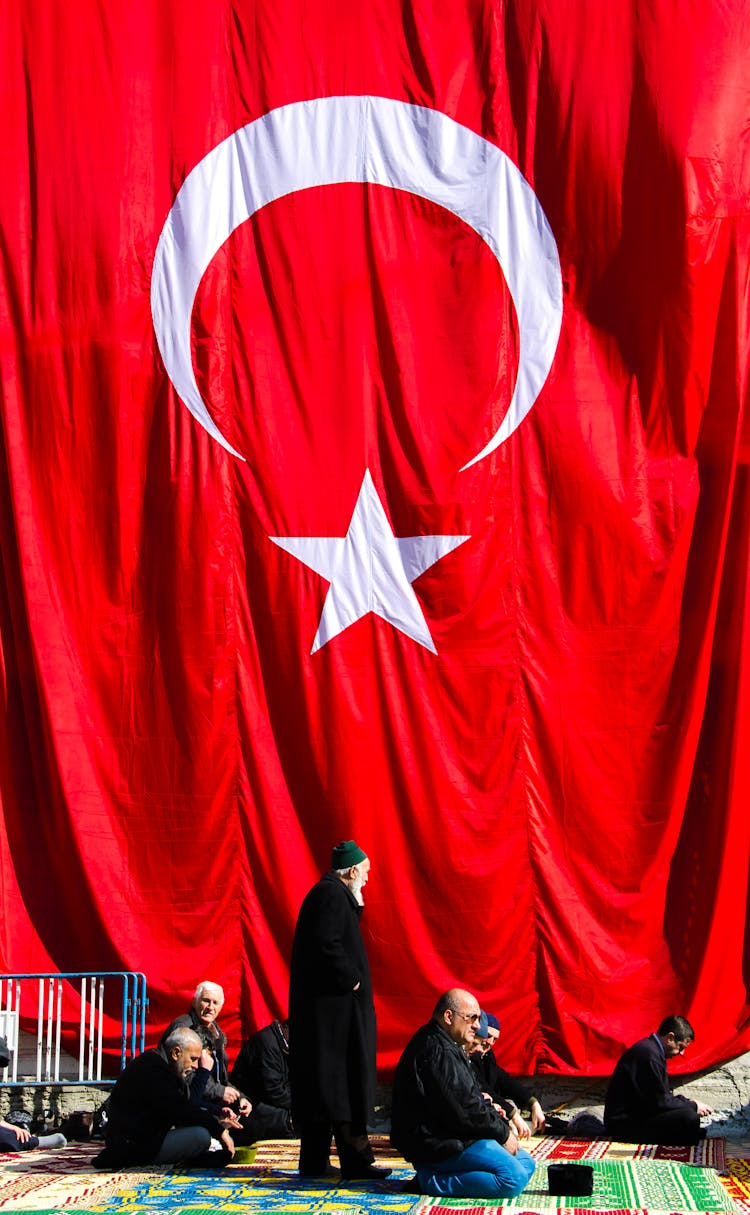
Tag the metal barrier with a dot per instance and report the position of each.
(76, 996)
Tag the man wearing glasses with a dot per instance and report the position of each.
(460, 1146)
(640, 1107)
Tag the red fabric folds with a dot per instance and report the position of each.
(555, 800)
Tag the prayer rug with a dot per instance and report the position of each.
(65, 1180)
(644, 1186)
(62, 1179)
(737, 1184)
(238, 1188)
(708, 1154)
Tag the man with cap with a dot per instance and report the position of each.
(332, 1022)
(511, 1094)
(459, 1144)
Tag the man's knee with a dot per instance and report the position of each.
(516, 1177)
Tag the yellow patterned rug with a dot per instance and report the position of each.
(737, 1183)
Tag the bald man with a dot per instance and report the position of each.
(460, 1146)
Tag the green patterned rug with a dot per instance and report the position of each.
(648, 1186)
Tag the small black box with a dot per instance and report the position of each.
(570, 1178)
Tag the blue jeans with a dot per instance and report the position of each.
(483, 1170)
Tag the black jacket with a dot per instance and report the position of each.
(213, 1094)
(262, 1068)
(148, 1099)
(438, 1108)
(331, 1026)
(501, 1086)
(639, 1087)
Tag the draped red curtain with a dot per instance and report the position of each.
(553, 791)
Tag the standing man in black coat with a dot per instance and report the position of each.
(640, 1107)
(332, 1022)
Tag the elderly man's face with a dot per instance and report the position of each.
(208, 1006)
(358, 880)
(461, 1025)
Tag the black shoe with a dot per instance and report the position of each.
(411, 1186)
(327, 1170)
(366, 1172)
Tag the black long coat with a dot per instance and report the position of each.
(331, 1026)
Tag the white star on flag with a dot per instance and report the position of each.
(370, 570)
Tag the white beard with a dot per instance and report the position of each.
(356, 889)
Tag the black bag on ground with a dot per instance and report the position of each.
(563, 1179)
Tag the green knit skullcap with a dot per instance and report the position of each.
(346, 854)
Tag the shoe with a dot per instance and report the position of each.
(411, 1186)
(366, 1172)
(327, 1171)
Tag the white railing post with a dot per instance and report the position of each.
(39, 1030)
(58, 1029)
(81, 1038)
(92, 1013)
(100, 1033)
(48, 1043)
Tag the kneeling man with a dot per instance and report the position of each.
(460, 1146)
(639, 1107)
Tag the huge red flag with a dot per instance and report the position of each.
(372, 384)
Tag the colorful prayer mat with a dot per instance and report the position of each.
(645, 1186)
(65, 1180)
(737, 1184)
(238, 1188)
(62, 1179)
(708, 1154)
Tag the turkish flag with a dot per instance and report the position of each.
(372, 384)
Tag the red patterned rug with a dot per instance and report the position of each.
(708, 1154)
(737, 1184)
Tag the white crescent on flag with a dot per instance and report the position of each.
(376, 140)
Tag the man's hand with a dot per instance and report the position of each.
(228, 1142)
(511, 1143)
(538, 1117)
(229, 1120)
(245, 1107)
(520, 1126)
(232, 1095)
(702, 1109)
(19, 1131)
(207, 1059)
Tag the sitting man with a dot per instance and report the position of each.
(501, 1087)
(208, 1002)
(262, 1071)
(152, 1119)
(639, 1106)
(18, 1139)
(459, 1144)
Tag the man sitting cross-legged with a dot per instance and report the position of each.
(152, 1119)
(505, 1090)
(460, 1146)
(639, 1106)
